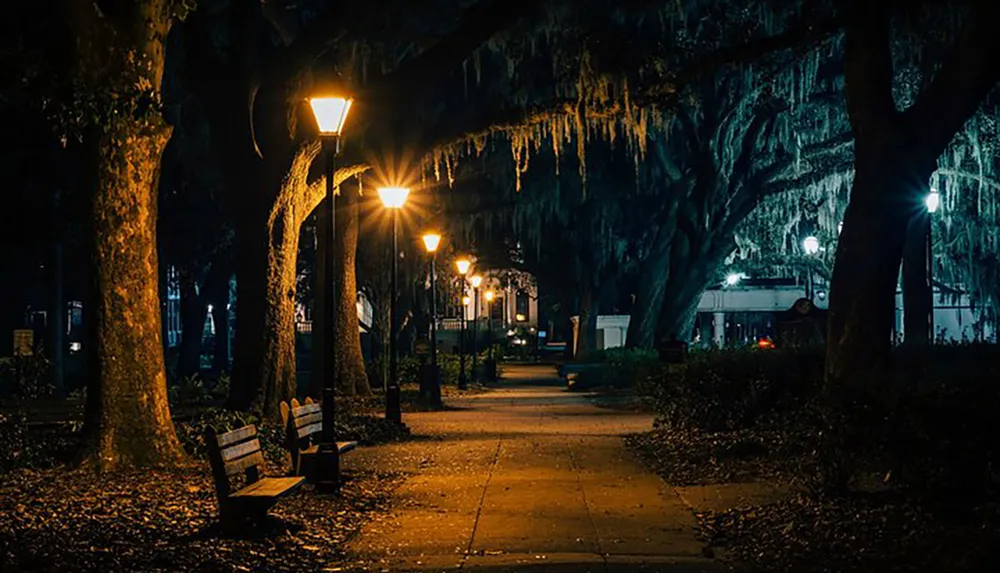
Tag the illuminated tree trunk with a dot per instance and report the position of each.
(132, 422)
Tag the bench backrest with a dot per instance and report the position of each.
(232, 453)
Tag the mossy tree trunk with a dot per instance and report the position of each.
(895, 154)
(119, 60)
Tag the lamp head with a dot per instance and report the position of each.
(466, 301)
(734, 278)
(463, 265)
(476, 280)
(933, 201)
(393, 197)
(489, 296)
(330, 113)
(431, 241)
(810, 245)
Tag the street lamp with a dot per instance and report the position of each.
(431, 242)
(393, 198)
(811, 246)
(933, 203)
(491, 363)
(462, 264)
(331, 114)
(476, 280)
(733, 279)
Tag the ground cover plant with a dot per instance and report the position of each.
(894, 474)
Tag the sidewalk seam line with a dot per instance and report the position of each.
(586, 505)
(482, 501)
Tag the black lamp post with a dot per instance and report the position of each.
(933, 203)
(431, 242)
(476, 281)
(330, 113)
(463, 265)
(393, 198)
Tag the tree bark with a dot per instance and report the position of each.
(133, 422)
(917, 293)
(654, 273)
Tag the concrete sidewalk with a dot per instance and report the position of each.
(526, 478)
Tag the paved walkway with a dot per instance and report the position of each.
(526, 478)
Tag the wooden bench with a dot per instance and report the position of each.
(238, 452)
(303, 428)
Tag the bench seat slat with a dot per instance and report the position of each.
(342, 447)
(308, 419)
(240, 450)
(307, 409)
(310, 430)
(235, 436)
(271, 487)
(241, 464)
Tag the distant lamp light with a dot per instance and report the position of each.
(840, 227)
(810, 245)
(821, 295)
(463, 266)
(734, 278)
(511, 333)
(933, 201)
(331, 114)
(488, 295)
(520, 317)
(466, 301)
(431, 241)
(476, 280)
(765, 344)
(393, 197)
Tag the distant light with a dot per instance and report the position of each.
(431, 241)
(532, 329)
(466, 301)
(840, 227)
(821, 295)
(933, 201)
(520, 317)
(511, 332)
(331, 113)
(393, 197)
(542, 334)
(463, 265)
(476, 280)
(810, 245)
(489, 296)
(75, 346)
(734, 278)
(765, 344)
(210, 307)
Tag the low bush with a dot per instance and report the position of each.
(927, 426)
(620, 368)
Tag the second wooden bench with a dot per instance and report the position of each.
(303, 428)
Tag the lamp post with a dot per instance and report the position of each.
(331, 114)
(811, 246)
(393, 198)
(491, 362)
(463, 381)
(476, 280)
(933, 203)
(431, 242)
(462, 265)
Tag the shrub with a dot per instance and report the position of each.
(620, 368)
(26, 377)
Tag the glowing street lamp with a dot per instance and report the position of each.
(810, 245)
(463, 266)
(733, 279)
(331, 115)
(393, 198)
(476, 281)
(933, 201)
(431, 243)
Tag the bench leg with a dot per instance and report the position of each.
(236, 516)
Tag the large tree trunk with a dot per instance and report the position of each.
(193, 314)
(133, 425)
(917, 294)
(654, 273)
(264, 369)
(862, 294)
